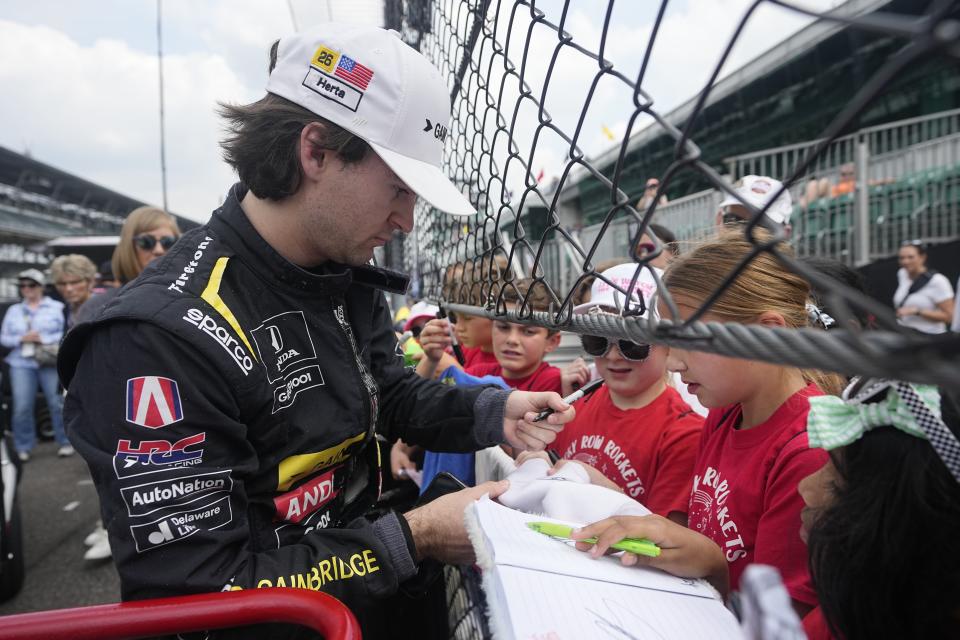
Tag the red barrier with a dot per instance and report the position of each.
(145, 618)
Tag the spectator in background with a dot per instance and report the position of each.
(924, 298)
(649, 192)
(29, 326)
(848, 180)
(73, 275)
(669, 241)
(105, 279)
(147, 234)
(756, 191)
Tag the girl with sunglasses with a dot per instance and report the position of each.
(635, 433)
(147, 234)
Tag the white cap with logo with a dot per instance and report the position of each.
(757, 191)
(372, 84)
(604, 295)
(32, 274)
(421, 309)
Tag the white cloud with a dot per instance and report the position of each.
(93, 111)
(84, 94)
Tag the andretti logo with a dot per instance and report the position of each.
(147, 498)
(223, 337)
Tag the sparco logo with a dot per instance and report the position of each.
(190, 267)
(147, 498)
(230, 344)
(294, 383)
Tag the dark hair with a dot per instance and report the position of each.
(883, 555)
(842, 273)
(263, 144)
(667, 237)
(538, 297)
(916, 244)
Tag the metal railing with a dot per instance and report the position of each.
(315, 610)
(906, 174)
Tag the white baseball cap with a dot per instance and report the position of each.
(420, 310)
(604, 295)
(375, 86)
(757, 191)
(32, 274)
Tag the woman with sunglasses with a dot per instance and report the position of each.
(36, 320)
(635, 434)
(147, 234)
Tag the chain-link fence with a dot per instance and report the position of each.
(507, 62)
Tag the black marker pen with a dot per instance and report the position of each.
(585, 390)
(457, 351)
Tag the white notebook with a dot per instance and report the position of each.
(540, 588)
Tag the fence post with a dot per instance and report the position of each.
(861, 206)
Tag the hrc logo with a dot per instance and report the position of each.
(153, 402)
(133, 460)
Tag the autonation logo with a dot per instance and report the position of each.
(147, 498)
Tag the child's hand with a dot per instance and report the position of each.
(530, 455)
(400, 460)
(684, 552)
(435, 338)
(596, 476)
(573, 376)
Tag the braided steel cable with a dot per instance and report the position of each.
(502, 84)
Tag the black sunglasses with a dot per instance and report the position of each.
(28, 285)
(599, 346)
(147, 242)
(732, 218)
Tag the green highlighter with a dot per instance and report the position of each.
(639, 546)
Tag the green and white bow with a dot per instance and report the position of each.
(913, 408)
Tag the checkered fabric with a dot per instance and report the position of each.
(943, 440)
(914, 409)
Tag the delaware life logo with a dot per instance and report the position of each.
(153, 402)
(181, 525)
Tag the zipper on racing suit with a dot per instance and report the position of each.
(356, 486)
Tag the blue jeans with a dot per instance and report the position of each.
(23, 382)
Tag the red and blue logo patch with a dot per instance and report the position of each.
(153, 402)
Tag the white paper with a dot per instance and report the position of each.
(541, 588)
(555, 607)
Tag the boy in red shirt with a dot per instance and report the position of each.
(635, 433)
(519, 351)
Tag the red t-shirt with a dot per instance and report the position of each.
(545, 378)
(744, 495)
(649, 452)
(476, 355)
(816, 627)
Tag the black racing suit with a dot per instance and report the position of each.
(227, 402)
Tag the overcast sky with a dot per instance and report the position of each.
(81, 85)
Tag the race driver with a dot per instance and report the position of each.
(227, 401)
